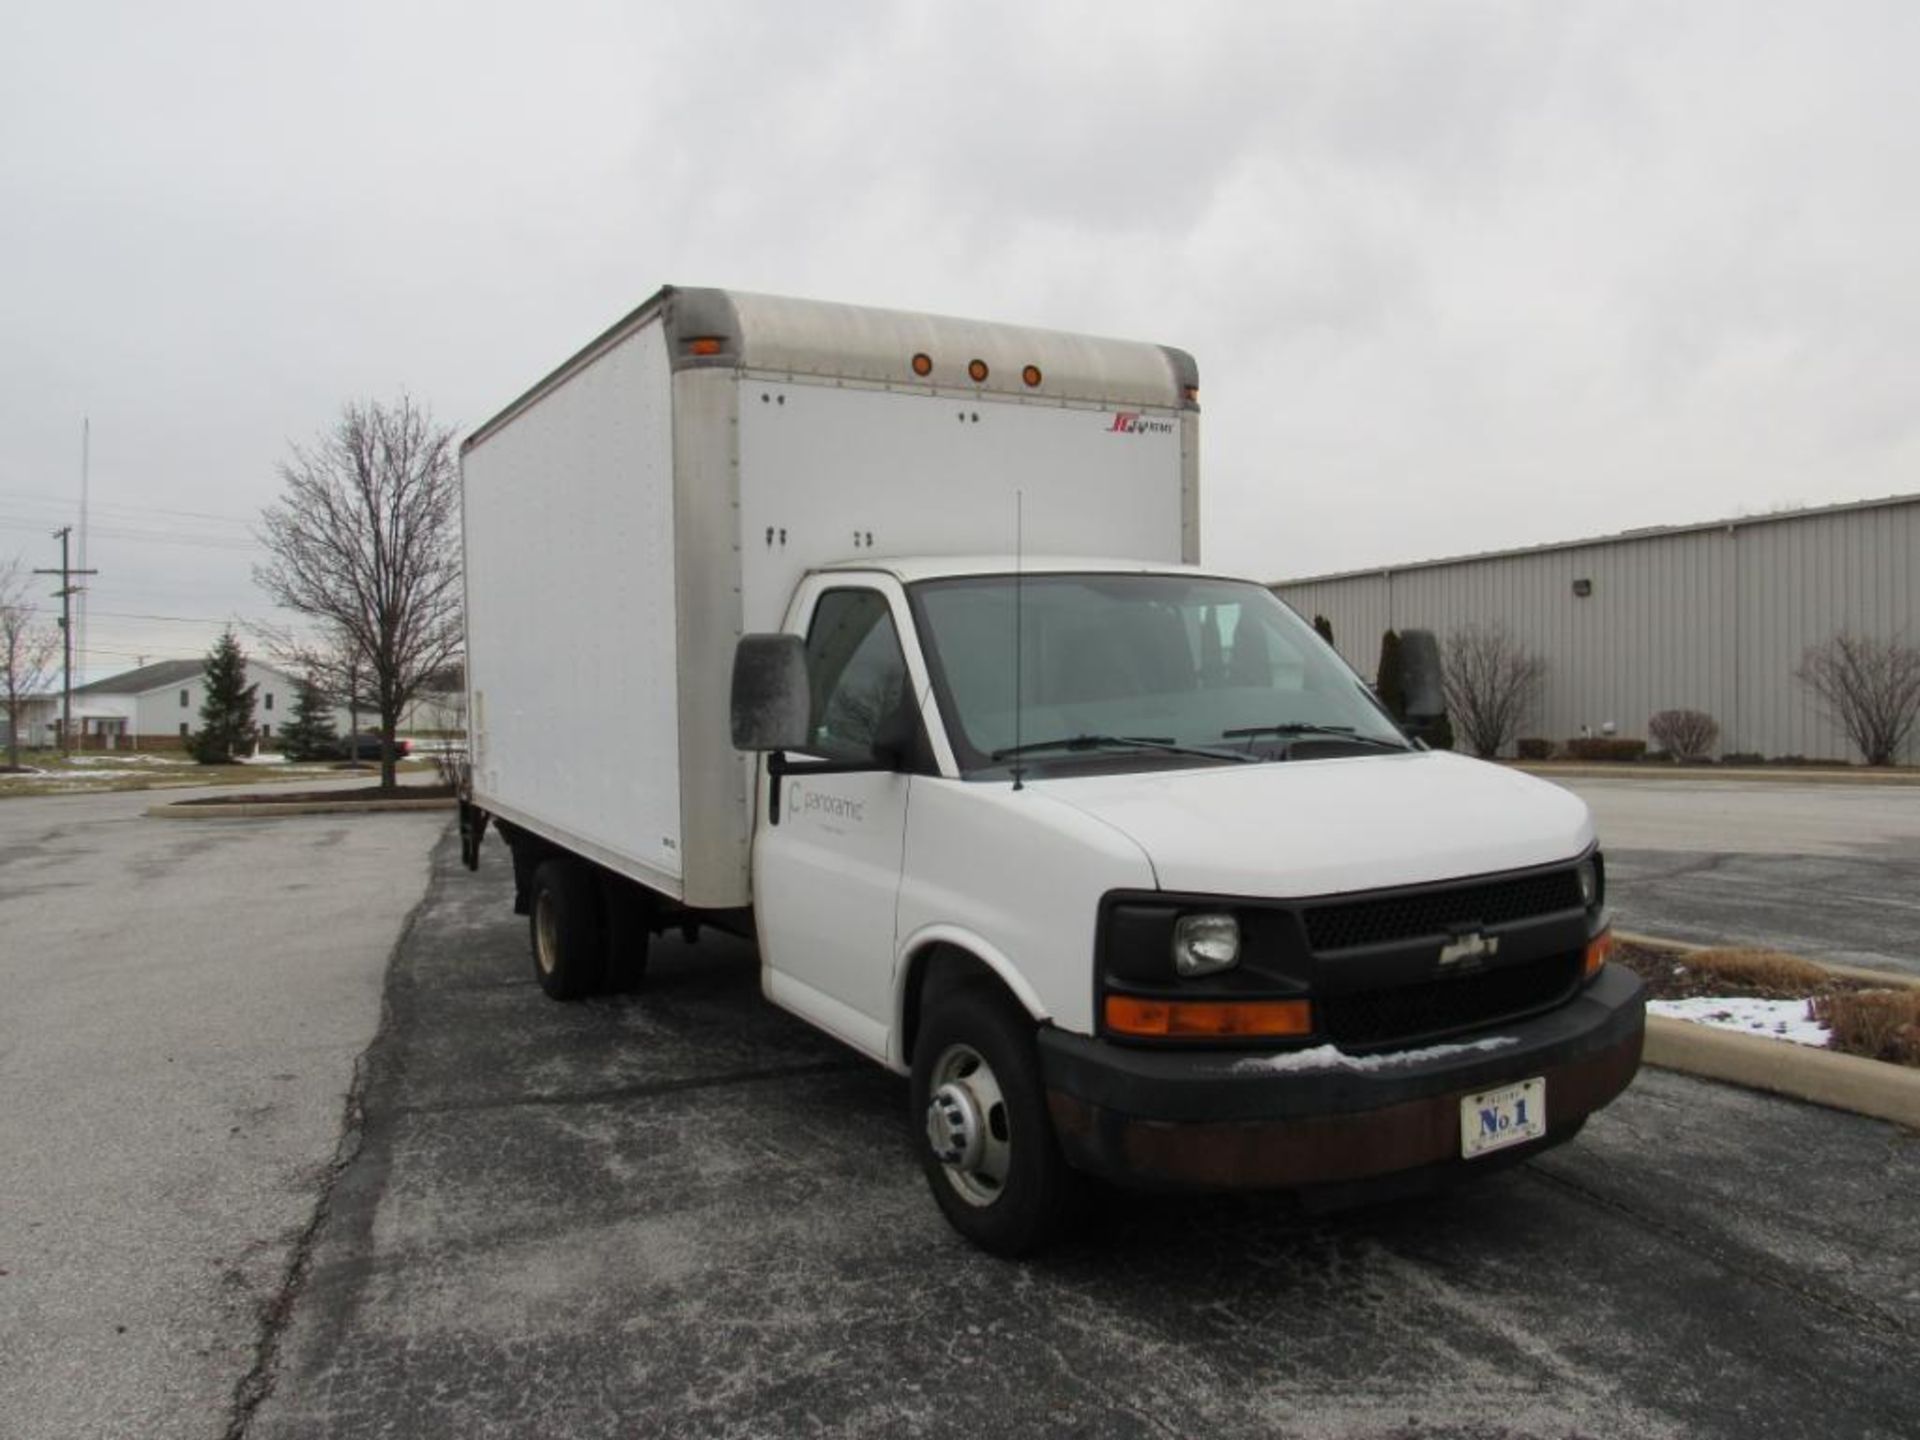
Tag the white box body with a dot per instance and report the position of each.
(645, 505)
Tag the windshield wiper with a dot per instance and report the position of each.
(1292, 728)
(1166, 744)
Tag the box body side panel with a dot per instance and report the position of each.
(571, 621)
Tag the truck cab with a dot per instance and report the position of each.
(1134, 877)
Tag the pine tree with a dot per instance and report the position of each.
(308, 733)
(226, 716)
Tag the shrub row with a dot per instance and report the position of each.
(1605, 747)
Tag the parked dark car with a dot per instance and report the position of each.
(365, 747)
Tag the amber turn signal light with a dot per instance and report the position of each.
(1184, 1019)
(704, 345)
(1598, 949)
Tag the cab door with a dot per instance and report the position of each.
(826, 871)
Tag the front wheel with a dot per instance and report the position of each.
(988, 1149)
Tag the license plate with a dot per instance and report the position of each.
(1495, 1119)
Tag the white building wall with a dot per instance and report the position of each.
(1712, 618)
(161, 712)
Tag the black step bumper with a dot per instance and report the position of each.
(1230, 1120)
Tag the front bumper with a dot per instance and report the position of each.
(1224, 1120)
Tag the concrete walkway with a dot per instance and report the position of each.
(184, 1007)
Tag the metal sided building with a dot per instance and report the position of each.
(1711, 617)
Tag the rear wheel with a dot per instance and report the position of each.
(567, 926)
(988, 1147)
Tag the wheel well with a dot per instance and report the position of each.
(939, 970)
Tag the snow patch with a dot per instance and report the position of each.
(1775, 1019)
(1332, 1057)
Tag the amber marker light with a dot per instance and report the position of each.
(978, 370)
(704, 345)
(1198, 1019)
(1032, 376)
(923, 364)
(1598, 949)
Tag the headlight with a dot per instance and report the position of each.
(1205, 944)
(1589, 875)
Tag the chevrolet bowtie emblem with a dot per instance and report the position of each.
(1465, 952)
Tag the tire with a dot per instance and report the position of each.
(976, 1074)
(567, 930)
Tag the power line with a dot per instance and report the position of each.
(150, 537)
(42, 497)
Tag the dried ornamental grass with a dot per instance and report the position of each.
(1880, 1024)
(1764, 974)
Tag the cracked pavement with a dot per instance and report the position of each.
(683, 1212)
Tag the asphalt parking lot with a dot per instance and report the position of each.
(684, 1213)
(1831, 871)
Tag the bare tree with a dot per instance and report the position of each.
(331, 663)
(27, 651)
(1491, 684)
(1872, 687)
(1684, 734)
(365, 540)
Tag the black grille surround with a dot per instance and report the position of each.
(1348, 924)
(1364, 1019)
(1370, 963)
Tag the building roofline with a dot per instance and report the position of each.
(1623, 537)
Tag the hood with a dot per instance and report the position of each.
(1298, 828)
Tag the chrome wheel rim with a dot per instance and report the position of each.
(546, 937)
(968, 1127)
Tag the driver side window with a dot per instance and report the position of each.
(857, 674)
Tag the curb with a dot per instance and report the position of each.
(1782, 774)
(1779, 1067)
(1824, 1077)
(182, 811)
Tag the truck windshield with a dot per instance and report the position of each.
(1205, 664)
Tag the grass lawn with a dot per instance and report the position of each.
(47, 772)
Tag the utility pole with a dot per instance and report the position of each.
(66, 592)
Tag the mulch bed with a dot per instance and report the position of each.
(357, 796)
(1874, 1020)
(1670, 975)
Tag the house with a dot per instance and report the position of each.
(157, 706)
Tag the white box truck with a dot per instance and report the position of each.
(882, 638)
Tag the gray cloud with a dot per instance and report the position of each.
(1458, 277)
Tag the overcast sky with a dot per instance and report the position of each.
(1457, 276)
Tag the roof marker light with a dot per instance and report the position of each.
(923, 364)
(978, 370)
(704, 345)
(1032, 376)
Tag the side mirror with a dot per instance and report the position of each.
(770, 708)
(1420, 684)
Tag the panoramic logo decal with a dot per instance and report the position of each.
(802, 801)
